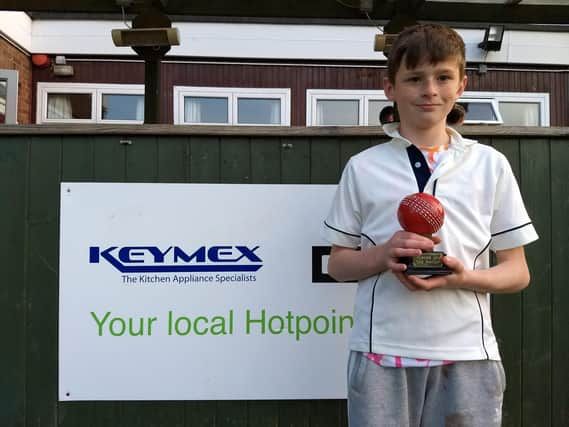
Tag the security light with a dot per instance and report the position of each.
(60, 67)
(146, 37)
(492, 38)
(383, 43)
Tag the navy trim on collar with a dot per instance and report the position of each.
(419, 166)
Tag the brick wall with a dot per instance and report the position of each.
(12, 58)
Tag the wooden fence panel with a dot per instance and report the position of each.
(78, 165)
(173, 159)
(265, 169)
(325, 165)
(536, 362)
(142, 160)
(294, 413)
(200, 413)
(325, 168)
(109, 159)
(235, 160)
(560, 290)
(142, 166)
(235, 168)
(530, 326)
(265, 161)
(507, 319)
(295, 161)
(204, 167)
(42, 281)
(205, 163)
(353, 146)
(152, 414)
(13, 310)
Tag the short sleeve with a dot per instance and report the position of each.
(342, 226)
(511, 225)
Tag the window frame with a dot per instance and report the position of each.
(482, 100)
(11, 78)
(363, 96)
(541, 98)
(232, 94)
(95, 90)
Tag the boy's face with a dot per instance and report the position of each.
(425, 94)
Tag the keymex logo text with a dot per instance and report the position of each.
(174, 259)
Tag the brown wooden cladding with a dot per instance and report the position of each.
(554, 83)
(299, 78)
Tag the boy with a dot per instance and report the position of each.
(387, 115)
(456, 116)
(423, 352)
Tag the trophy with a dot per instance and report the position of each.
(423, 214)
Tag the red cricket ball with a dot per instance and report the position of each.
(421, 213)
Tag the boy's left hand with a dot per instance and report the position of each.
(456, 279)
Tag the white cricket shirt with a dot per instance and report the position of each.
(484, 211)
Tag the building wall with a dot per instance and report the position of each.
(12, 58)
(299, 78)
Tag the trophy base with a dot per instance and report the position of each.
(426, 264)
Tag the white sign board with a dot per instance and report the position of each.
(198, 291)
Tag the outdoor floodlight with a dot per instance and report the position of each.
(492, 38)
(146, 37)
(383, 43)
(61, 68)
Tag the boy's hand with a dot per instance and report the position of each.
(456, 279)
(406, 244)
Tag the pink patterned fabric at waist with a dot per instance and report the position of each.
(404, 362)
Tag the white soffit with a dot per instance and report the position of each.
(17, 26)
(274, 41)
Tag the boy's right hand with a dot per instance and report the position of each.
(349, 264)
(406, 244)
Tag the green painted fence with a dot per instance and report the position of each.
(532, 326)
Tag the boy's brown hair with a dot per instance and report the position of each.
(456, 115)
(425, 42)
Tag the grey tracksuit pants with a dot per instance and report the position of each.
(464, 394)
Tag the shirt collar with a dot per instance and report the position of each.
(457, 142)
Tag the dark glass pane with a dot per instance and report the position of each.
(374, 108)
(520, 113)
(259, 111)
(3, 100)
(123, 107)
(203, 109)
(337, 112)
(69, 106)
(479, 111)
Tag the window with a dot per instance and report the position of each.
(344, 107)
(508, 108)
(8, 97)
(481, 111)
(231, 106)
(3, 100)
(361, 108)
(521, 114)
(89, 103)
(122, 107)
